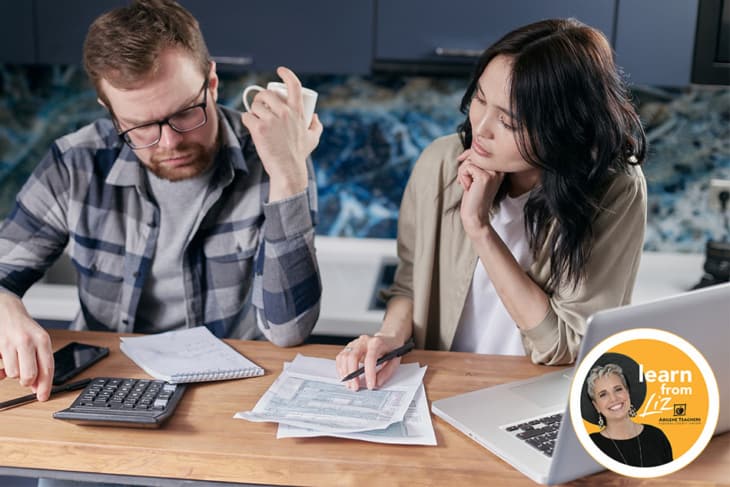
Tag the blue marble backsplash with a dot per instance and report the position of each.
(374, 129)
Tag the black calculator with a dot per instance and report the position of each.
(113, 401)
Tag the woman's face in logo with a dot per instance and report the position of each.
(612, 398)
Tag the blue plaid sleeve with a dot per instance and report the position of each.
(35, 233)
(287, 287)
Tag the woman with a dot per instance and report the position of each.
(638, 445)
(513, 231)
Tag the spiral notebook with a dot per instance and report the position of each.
(190, 355)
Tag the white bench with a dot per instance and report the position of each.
(350, 269)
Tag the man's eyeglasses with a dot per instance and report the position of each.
(187, 120)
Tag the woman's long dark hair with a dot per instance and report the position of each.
(574, 120)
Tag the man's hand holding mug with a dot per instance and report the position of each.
(285, 130)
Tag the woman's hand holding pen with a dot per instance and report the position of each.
(367, 350)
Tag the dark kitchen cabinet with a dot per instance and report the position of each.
(17, 42)
(61, 27)
(313, 36)
(434, 31)
(316, 36)
(655, 40)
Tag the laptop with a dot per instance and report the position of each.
(700, 317)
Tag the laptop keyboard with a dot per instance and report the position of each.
(539, 433)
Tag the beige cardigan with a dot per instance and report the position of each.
(436, 259)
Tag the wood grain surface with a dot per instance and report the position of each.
(202, 440)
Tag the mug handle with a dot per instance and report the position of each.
(246, 93)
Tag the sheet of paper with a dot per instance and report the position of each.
(308, 394)
(415, 429)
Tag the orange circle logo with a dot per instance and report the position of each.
(644, 403)
(676, 400)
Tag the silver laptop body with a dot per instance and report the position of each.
(701, 317)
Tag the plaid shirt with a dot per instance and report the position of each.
(249, 262)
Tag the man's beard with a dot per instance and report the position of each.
(201, 159)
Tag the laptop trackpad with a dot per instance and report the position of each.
(544, 393)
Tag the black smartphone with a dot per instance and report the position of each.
(73, 358)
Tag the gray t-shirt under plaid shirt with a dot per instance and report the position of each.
(249, 262)
(162, 303)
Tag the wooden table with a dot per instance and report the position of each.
(203, 442)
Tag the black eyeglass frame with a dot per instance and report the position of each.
(166, 121)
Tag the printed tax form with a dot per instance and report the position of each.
(308, 399)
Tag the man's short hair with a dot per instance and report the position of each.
(123, 45)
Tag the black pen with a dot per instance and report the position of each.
(71, 386)
(398, 352)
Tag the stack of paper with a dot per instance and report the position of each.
(308, 399)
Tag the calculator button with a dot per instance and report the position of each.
(159, 403)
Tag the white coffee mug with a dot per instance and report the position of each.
(309, 97)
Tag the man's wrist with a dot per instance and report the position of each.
(279, 192)
(7, 297)
(282, 186)
(12, 305)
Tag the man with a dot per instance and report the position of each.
(177, 212)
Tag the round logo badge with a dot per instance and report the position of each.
(644, 403)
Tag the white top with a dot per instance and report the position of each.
(485, 325)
